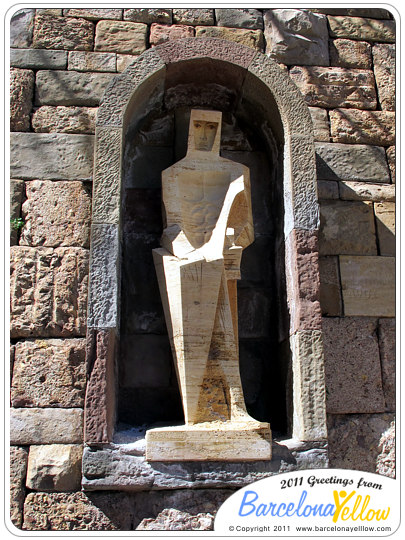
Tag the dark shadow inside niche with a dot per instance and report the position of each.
(148, 390)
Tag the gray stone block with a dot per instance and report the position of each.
(240, 18)
(38, 59)
(387, 342)
(51, 156)
(22, 28)
(18, 469)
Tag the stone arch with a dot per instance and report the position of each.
(270, 90)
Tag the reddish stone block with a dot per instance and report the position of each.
(160, 33)
(99, 408)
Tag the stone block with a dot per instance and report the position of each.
(296, 37)
(49, 373)
(51, 156)
(22, 28)
(56, 214)
(147, 361)
(309, 421)
(391, 162)
(362, 28)
(48, 291)
(352, 366)
(327, 189)
(148, 15)
(99, 412)
(53, 12)
(18, 470)
(54, 467)
(330, 294)
(347, 53)
(48, 119)
(385, 221)
(332, 87)
(351, 162)
(354, 440)
(250, 38)
(387, 342)
(46, 426)
(240, 18)
(194, 17)
(171, 519)
(363, 127)
(384, 71)
(120, 37)
(359, 191)
(38, 59)
(125, 60)
(373, 13)
(368, 286)
(338, 221)
(61, 33)
(160, 33)
(92, 61)
(94, 14)
(70, 87)
(386, 458)
(17, 189)
(21, 97)
(321, 124)
(104, 282)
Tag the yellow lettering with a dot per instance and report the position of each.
(356, 505)
(365, 504)
(340, 505)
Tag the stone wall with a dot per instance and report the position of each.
(61, 62)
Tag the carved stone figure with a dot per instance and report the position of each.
(208, 224)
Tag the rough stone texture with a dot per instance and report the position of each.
(49, 373)
(386, 457)
(384, 70)
(51, 156)
(21, 28)
(327, 189)
(303, 280)
(368, 286)
(123, 467)
(18, 470)
(331, 302)
(89, 61)
(48, 119)
(99, 413)
(347, 53)
(336, 87)
(171, 519)
(56, 214)
(21, 96)
(352, 366)
(148, 15)
(124, 60)
(296, 37)
(359, 191)
(386, 337)
(94, 14)
(385, 221)
(195, 17)
(354, 440)
(54, 467)
(160, 33)
(48, 291)
(391, 161)
(46, 426)
(321, 124)
(250, 38)
(338, 222)
(366, 127)
(240, 18)
(120, 37)
(337, 161)
(17, 188)
(373, 13)
(70, 87)
(362, 28)
(38, 59)
(63, 33)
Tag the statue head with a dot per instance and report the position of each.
(205, 131)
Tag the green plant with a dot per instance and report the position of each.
(17, 224)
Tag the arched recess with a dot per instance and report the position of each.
(273, 104)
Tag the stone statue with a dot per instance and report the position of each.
(208, 224)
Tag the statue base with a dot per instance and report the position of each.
(210, 441)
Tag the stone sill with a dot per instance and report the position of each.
(122, 466)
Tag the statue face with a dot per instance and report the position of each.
(204, 134)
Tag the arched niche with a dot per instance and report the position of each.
(261, 108)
